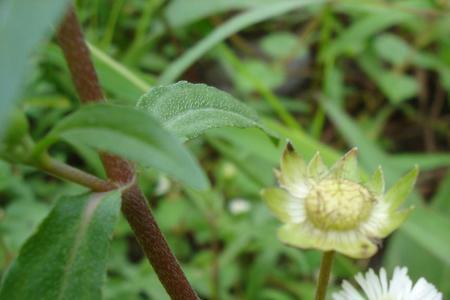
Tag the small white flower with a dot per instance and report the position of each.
(400, 287)
(239, 206)
(163, 186)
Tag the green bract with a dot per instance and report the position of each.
(330, 209)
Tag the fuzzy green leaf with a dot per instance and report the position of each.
(190, 109)
(66, 258)
(133, 134)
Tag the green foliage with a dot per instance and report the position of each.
(237, 23)
(190, 109)
(422, 223)
(66, 258)
(405, 86)
(271, 44)
(131, 133)
(392, 49)
(182, 12)
(380, 71)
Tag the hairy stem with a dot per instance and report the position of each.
(324, 275)
(63, 171)
(134, 204)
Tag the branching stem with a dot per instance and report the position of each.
(63, 171)
(134, 204)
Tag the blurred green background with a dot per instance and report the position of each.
(328, 75)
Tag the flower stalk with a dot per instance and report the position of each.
(324, 275)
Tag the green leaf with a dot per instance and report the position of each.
(184, 12)
(392, 48)
(66, 257)
(190, 109)
(117, 78)
(23, 24)
(405, 86)
(441, 199)
(430, 229)
(270, 76)
(270, 44)
(353, 40)
(426, 161)
(130, 133)
(227, 29)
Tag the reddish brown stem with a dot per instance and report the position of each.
(134, 204)
(71, 40)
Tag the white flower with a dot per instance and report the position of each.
(163, 186)
(400, 287)
(331, 209)
(239, 206)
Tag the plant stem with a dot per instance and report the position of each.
(63, 171)
(324, 275)
(134, 204)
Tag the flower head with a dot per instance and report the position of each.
(331, 209)
(400, 287)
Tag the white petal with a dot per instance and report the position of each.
(375, 284)
(377, 219)
(400, 284)
(348, 293)
(383, 281)
(300, 189)
(296, 211)
(423, 290)
(376, 287)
